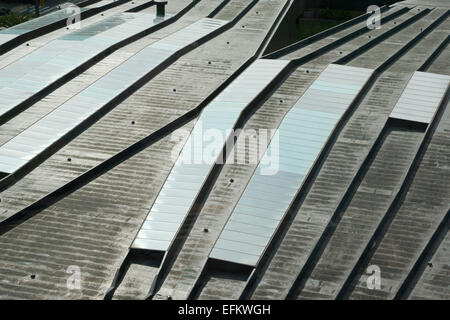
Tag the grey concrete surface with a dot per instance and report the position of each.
(93, 227)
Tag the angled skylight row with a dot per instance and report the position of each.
(301, 136)
(34, 72)
(48, 130)
(186, 178)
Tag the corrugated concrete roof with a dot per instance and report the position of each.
(377, 195)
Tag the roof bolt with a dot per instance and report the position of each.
(132, 122)
(209, 62)
(205, 230)
(307, 71)
(28, 44)
(69, 159)
(340, 52)
(281, 100)
(231, 180)
(228, 42)
(32, 276)
(243, 26)
(174, 90)
(430, 264)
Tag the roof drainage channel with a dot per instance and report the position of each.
(301, 136)
(36, 71)
(421, 97)
(14, 36)
(46, 132)
(186, 179)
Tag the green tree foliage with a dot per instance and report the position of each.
(10, 20)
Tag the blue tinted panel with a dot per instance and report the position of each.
(302, 134)
(59, 122)
(421, 97)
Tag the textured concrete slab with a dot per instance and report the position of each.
(348, 195)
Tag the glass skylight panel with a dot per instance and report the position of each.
(421, 97)
(186, 178)
(39, 69)
(301, 136)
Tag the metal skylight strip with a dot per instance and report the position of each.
(421, 97)
(186, 179)
(61, 120)
(270, 190)
(32, 73)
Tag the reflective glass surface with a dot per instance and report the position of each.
(421, 97)
(35, 71)
(186, 178)
(301, 136)
(36, 138)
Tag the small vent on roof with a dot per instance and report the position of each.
(160, 8)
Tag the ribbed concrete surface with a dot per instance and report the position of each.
(241, 172)
(417, 218)
(359, 221)
(115, 222)
(340, 166)
(115, 131)
(225, 194)
(222, 287)
(93, 227)
(433, 284)
(36, 43)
